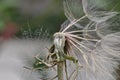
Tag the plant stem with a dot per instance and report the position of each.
(60, 66)
(60, 70)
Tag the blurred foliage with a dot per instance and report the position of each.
(50, 19)
(7, 9)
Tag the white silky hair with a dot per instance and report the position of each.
(97, 50)
(101, 65)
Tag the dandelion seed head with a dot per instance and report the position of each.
(97, 52)
(89, 43)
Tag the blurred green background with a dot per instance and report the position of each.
(24, 14)
(17, 15)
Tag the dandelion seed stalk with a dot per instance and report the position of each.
(59, 42)
(60, 66)
(94, 55)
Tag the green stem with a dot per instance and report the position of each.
(60, 70)
(60, 66)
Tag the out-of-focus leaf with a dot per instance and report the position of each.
(2, 24)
